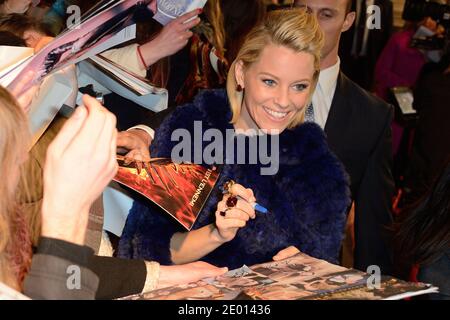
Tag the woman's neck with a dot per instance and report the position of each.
(245, 121)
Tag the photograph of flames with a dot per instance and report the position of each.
(179, 189)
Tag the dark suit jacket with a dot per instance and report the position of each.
(359, 133)
(361, 69)
(49, 273)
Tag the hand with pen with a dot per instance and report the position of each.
(234, 211)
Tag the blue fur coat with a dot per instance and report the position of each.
(308, 198)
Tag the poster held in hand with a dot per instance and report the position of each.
(181, 190)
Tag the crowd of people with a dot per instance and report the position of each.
(258, 69)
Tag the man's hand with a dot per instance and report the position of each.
(80, 163)
(137, 142)
(286, 253)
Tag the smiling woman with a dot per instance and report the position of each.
(276, 90)
(268, 87)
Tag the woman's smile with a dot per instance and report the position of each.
(274, 115)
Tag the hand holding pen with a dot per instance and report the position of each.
(233, 199)
(233, 212)
(237, 207)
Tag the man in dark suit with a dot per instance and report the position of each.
(357, 125)
(358, 128)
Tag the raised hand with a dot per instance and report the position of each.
(173, 37)
(80, 163)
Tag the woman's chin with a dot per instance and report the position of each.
(274, 127)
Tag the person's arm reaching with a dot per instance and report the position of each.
(137, 140)
(80, 163)
(59, 271)
(173, 37)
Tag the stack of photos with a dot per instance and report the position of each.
(300, 277)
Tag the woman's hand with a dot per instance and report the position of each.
(229, 219)
(187, 273)
(286, 253)
(80, 163)
(173, 37)
(176, 34)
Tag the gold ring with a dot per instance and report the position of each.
(227, 186)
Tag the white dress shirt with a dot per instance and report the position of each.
(324, 93)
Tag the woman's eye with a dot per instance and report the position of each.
(300, 87)
(269, 82)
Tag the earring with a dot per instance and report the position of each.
(239, 88)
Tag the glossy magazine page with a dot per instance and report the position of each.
(77, 42)
(181, 190)
(300, 277)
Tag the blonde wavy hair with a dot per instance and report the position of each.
(14, 136)
(295, 29)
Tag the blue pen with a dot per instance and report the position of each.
(255, 206)
(226, 189)
(260, 208)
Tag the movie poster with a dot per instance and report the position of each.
(179, 189)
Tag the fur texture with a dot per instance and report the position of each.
(308, 198)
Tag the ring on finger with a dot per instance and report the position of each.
(232, 202)
(227, 186)
(224, 213)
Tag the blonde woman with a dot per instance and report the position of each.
(269, 85)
